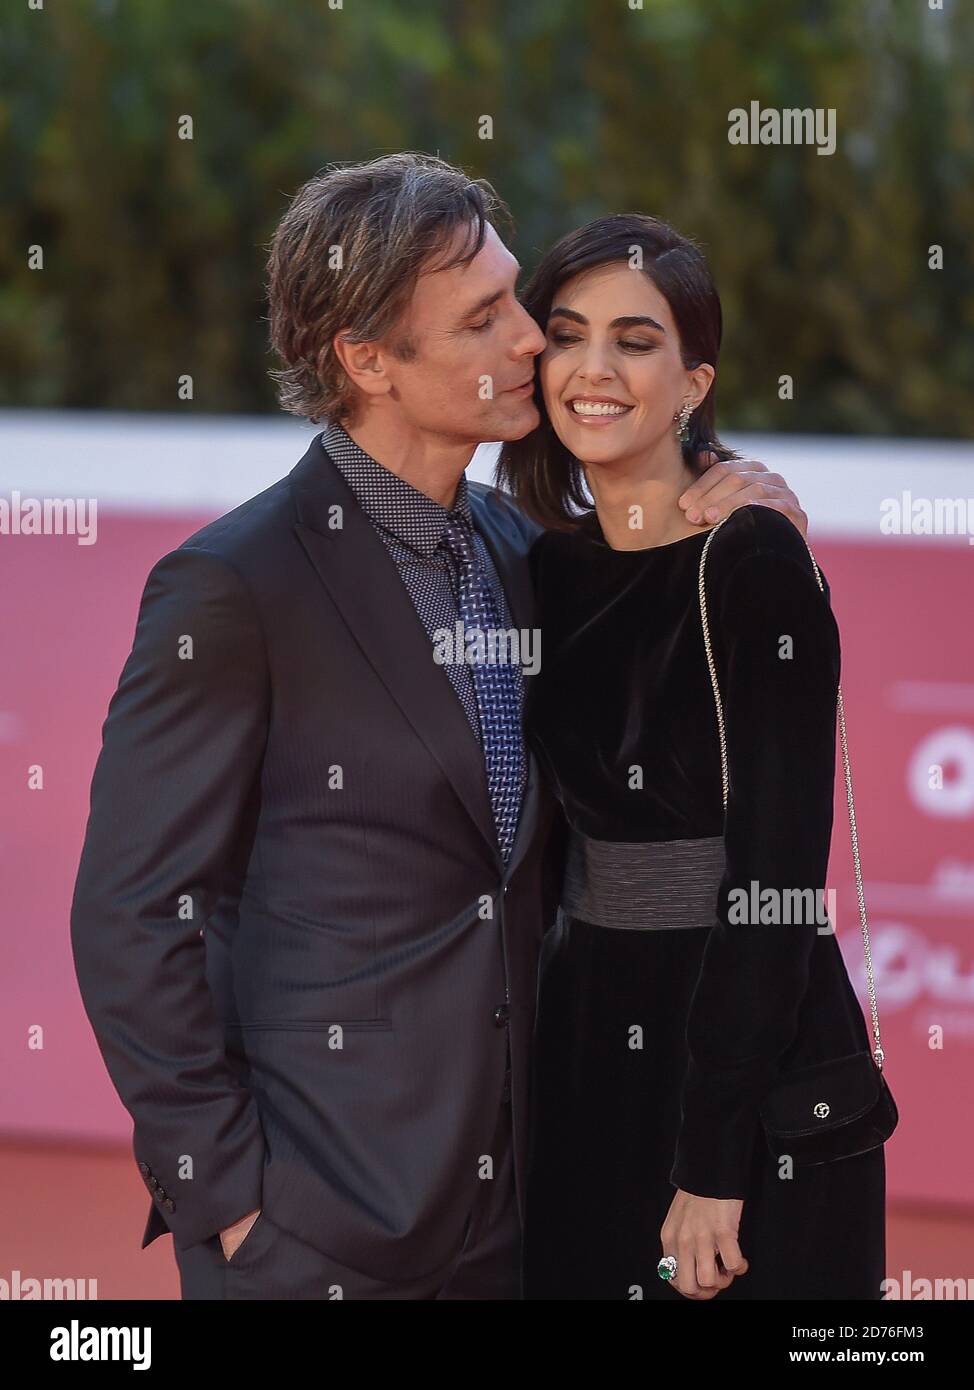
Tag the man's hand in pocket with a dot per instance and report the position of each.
(234, 1235)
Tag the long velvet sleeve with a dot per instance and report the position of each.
(779, 716)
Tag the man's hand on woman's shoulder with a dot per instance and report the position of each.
(733, 483)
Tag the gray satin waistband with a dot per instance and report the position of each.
(644, 887)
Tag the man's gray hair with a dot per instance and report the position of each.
(347, 255)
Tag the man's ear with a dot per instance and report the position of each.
(363, 364)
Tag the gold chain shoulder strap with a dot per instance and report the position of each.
(878, 1053)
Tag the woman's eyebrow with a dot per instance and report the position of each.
(625, 321)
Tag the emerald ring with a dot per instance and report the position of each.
(666, 1269)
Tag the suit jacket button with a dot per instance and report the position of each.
(501, 1014)
(169, 1204)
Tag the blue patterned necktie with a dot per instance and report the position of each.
(498, 685)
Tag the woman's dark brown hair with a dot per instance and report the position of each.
(544, 476)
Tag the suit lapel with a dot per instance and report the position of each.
(361, 576)
(358, 572)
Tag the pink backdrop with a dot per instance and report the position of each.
(904, 610)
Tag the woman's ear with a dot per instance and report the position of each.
(700, 380)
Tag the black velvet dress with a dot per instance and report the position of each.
(723, 1010)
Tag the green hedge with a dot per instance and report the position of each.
(154, 246)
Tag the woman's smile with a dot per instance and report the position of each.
(597, 410)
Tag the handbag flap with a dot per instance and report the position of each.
(822, 1096)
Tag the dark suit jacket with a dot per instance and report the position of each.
(290, 830)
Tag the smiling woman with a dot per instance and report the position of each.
(589, 406)
(664, 1023)
(632, 339)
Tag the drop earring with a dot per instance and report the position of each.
(683, 429)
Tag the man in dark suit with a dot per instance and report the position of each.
(320, 860)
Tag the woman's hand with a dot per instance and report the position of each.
(696, 1229)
